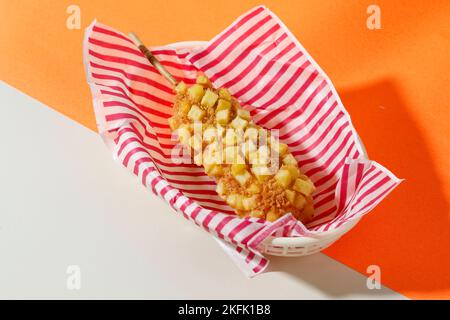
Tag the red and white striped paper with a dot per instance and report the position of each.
(264, 66)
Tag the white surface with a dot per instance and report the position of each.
(64, 201)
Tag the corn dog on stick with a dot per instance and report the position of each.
(255, 173)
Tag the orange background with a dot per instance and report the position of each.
(393, 81)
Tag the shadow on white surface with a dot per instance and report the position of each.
(326, 275)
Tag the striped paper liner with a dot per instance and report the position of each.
(264, 66)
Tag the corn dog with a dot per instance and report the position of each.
(255, 173)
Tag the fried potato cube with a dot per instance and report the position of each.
(203, 80)
(196, 113)
(261, 172)
(283, 178)
(254, 188)
(209, 99)
(196, 92)
(184, 134)
(223, 116)
(300, 201)
(280, 148)
(290, 160)
(231, 155)
(172, 123)
(220, 131)
(198, 158)
(244, 114)
(197, 127)
(195, 142)
(253, 157)
(249, 147)
(223, 105)
(305, 187)
(239, 123)
(251, 134)
(238, 168)
(272, 215)
(184, 107)
(224, 94)
(249, 203)
(235, 200)
(303, 177)
(257, 214)
(290, 195)
(209, 159)
(220, 189)
(209, 134)
(181, 87)
(261, 156)
(239, 136)
(213, 170)
(230, 137)
(215, 153)
(243, 177)
(210, 154)
(293, 170)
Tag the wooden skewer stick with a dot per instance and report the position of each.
(155, 62)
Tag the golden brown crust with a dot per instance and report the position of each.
(249, 187)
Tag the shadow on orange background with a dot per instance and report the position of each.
(408, 233)
(413, 223)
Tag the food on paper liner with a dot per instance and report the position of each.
(255, 173)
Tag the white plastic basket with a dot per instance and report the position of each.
(291, 246)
